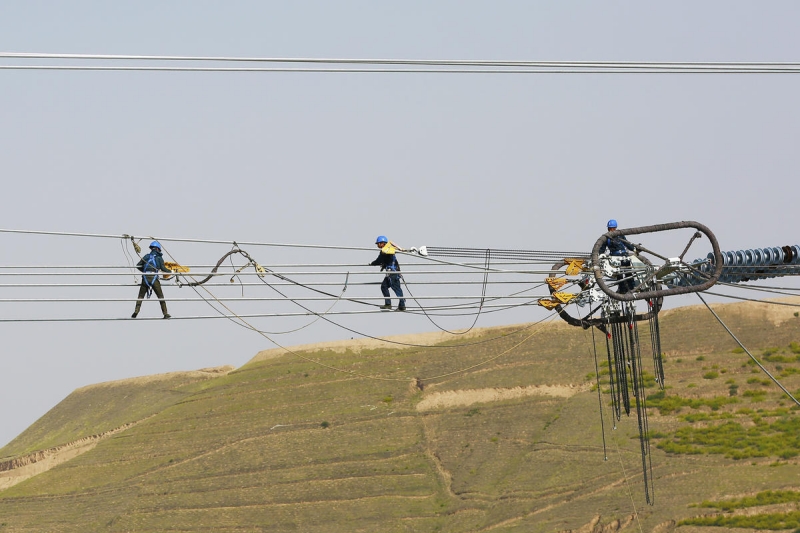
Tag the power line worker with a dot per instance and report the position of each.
(387, 259)
(152, 262)
(619, 246)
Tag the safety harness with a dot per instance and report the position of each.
(150, 266)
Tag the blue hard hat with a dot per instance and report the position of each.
(381, 238)
(611, 223)
(155, 244)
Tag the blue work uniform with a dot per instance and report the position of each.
(150, 265)
(388, 262)
(619, 246)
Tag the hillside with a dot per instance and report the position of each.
(499, 431)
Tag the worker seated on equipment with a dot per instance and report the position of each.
(618, 247)
(388, 262)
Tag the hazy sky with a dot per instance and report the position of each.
(503, 161)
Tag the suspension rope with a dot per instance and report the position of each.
(202, 241)
(765, 68)
(752, 357)
(720, 65)
(247, 325)
(363, 334)
(480, 308)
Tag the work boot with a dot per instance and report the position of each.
(167, 316)
(401, 308)
(386, 307)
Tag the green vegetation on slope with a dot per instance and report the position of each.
(771, 521)
(99, 408)
(780, 438)
(285, 445)
(767, 497)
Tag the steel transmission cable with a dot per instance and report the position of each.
(246, 325)
(459, 66)
(752, 357)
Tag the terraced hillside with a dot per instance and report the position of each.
(497, 432)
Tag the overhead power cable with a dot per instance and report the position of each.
(519, 255)
(378, 65)
(278, 283)
(284, 273)
(752, 357)
(176, 239)
(244, 243)
(270, 299)
(433, 310)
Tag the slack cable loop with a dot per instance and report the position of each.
(481, 306)
(318, 316)
(352, 330)
(245, 324)
(742, 346)
(425, 312)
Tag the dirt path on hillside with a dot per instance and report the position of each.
(463, 398)
(19, 469)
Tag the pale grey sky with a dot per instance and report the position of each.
(502, 161)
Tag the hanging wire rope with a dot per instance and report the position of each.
(232, 315)
(377, 61)
(237, 319)
(363, 65)
(752, 357)
(437, 311)
(477, 315)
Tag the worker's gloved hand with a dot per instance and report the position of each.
(414, 250)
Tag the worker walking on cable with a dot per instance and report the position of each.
(387, 259)
(151, 263)
(618, 247)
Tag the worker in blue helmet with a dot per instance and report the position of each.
(620, 246)
(150, 265)
(387, 259)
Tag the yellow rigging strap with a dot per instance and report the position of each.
(175, 267)
(548, 303)
(574, 266)
(558, 298)
(564, 297)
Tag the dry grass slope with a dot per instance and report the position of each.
(282, 444)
